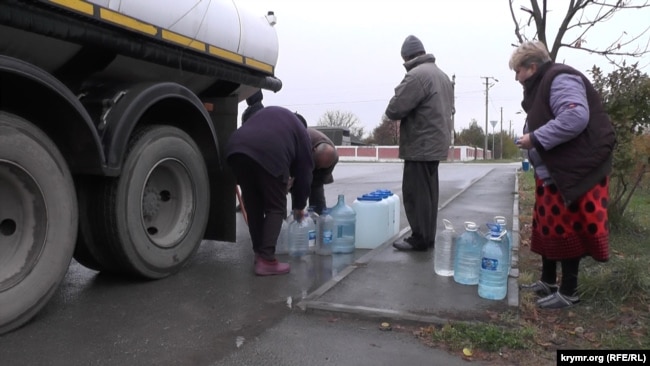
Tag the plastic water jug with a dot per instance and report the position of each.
(313, 228)
(394, 199)
(299, 236)
(507, 239)
(344, 217)
(443, 263)
(282, 245)
(493, 276)
(467, 258)
(372, 226)
(390, 212)
(325, 233)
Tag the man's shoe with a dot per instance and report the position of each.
(265, 267)
(411, 244)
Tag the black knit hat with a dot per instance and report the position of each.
(411, 46)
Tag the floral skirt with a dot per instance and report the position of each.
(574, 231)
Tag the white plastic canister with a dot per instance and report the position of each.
(372, 221)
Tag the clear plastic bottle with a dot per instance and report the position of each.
(344, 227)
(282, 245)
(313, 228)
(467, 258)
(493, 277)
(443, 263)
(299, 237)
(326, 231)
(507, 239)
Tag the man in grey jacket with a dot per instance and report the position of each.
(424, 103)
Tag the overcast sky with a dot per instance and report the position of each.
(345, 55)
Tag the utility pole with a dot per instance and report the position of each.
(501, 136)
(487, 88)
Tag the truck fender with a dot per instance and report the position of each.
(41, 99)
(157, 103)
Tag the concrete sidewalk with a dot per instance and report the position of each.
(388, 284)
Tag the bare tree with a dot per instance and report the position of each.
(581, 16)
(336, 118)
(387, 133)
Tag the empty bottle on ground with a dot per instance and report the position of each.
(467, 258)
(299, 236)
(344, 227)
(282, 245)
(313, 228)
(325, 233)
(507, 239)
(443, 251)
(493, 277)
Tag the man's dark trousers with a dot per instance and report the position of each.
(420, 190)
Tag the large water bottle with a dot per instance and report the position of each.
(326, 232)
(282, 245)
(507, 239)
(443, 263)
(313, 228)
(299, 236)
(344, 227)
(493, 277)
(467, 258)
(372, 226)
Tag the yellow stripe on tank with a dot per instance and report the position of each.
(182, 40)
(127, 21)
(259, 65)
(226, 54)
(78, 5)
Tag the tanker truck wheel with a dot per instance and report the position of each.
(153, 217)
(38, 220)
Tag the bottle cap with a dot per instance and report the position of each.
(369, 197)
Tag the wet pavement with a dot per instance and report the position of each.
(388, 283)
(327, 311)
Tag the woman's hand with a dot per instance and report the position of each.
(524, 142)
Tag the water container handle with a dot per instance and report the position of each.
(448, 225)
(469, 225)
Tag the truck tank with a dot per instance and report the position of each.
(203, 45)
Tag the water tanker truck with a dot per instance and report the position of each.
(113, 115)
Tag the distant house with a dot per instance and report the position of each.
(340, 136)
(355, 141)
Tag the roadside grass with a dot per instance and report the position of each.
(614, 312)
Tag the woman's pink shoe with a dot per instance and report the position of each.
(265, 267)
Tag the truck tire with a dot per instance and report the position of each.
(38, 220)
(153, 217)
(91, 252)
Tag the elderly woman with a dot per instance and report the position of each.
(570, 140)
